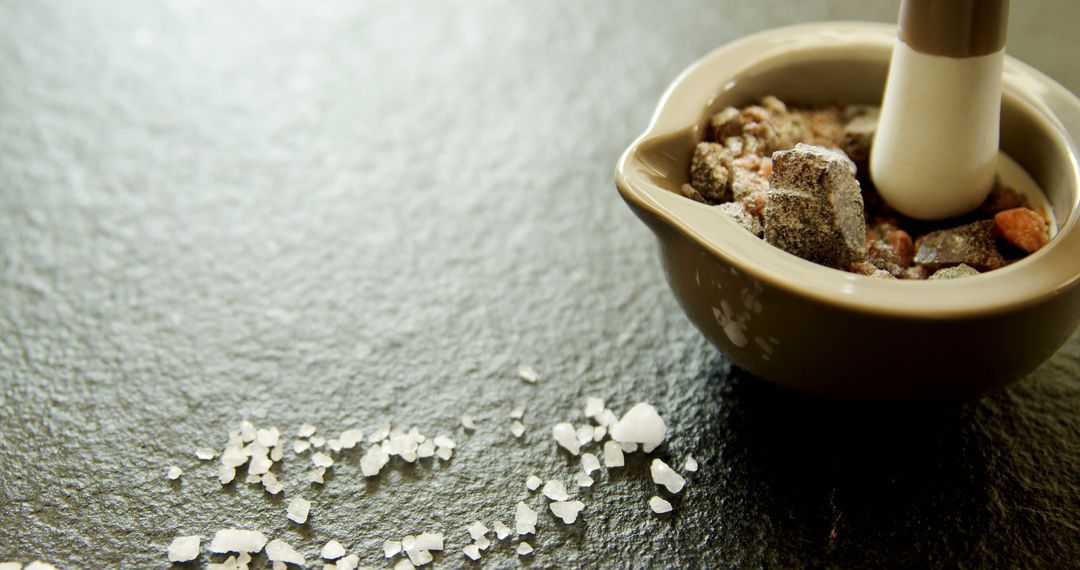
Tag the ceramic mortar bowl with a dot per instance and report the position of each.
(832, 333)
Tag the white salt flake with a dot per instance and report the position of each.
(279, 565)
(237, 540)
(607, 418)
(298, 510)
(306, 430)
(566, 436)
(404, 564)
(467, 422)
(666, 476)
(613, 455)
(690, 465)
(260, 463)
(278, 550)
(276, 453)
(321, 459)
(555, 490)
(524, 549)
(418, 556)
(317, 475)
(589, 463)
(567, 510)
(349, 562)
(268, 437)
(533, 482)
(380, 433)
(317, 441)
(10, 565)
(524, 519)
(408, 542)
(501, 530)
(373, 461)
(334, 445)
(253, 478)
(425, 450)
(39, 565)
(517, 428)
(477, 530)
(226, 474)
(391, 548)
(641, 424)
(235, 456)
(599, 433)
(444, 453)
(659, 505)
(483, 543)
(593, 407)
(628, 446)
(584, 434)
(415, 435)
(351, 437)
(583, 480)
(443, 441)
(332, 550)
(247, 431)
(271, 484)
(205, 453)
(184, 548)
(528, 374)
(429, 541)
(174, 473)
(517, 413)
(472, 551)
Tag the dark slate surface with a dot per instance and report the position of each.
(347, 214)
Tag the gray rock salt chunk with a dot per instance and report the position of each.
(814, 208)
(711, 172)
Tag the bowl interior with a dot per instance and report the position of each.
(1028, 134)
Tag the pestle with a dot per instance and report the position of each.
(935, 152)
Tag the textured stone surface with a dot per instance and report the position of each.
(359, 212)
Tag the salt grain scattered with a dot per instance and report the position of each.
(268, 437)
(351, 437)
(533, 482)
(184, 548)
(373, 461)
(443, 441)
(317, 441)
(567, 510)
(607, 418)
(584, 434)
(419, 556)
(659, 506)
(237, 540)
(276, 453)
(524, 549)
(298, 510)
(317, 475)
(408, 542)
(666, 476)
(477, 530)
(280, 551)
(380, 433)
(279, 565)
(321, 459)
(429, 541)
(472, 551)
(583, 480)
(691, 464)
(306, 430)
(566, 436)
(599, 433)
(524, 519)
(10, 565)
(404, 564)
(613, 455)
(349, 562)
(205, 453)
(444, 453)
(555, 490)
(226, 474)
(593, 407)
(517, 428)
(628, 446)
(174, 473)
(425, 449)
(391, 548)
(501, 530)
(641, 424)
(332, 550)
(334, 444)
(39, 565)
(517, 413)
(247, 431)
(271, 484)
(253, 478)
(467, 422)
(589, 462)
(528, 374)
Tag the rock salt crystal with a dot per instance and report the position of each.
(528, 374)
(517, 413)
(641, 424)
(524, 549)
(613, 455)
(425, 450)
(184, 548)
(567, 510)
(555, 490)
(226, 474)
(301, 445)
(467, 422)
(321, 459)
(599, 433)
(298, 510)
(351, 437)
(501, 530)
(589, 463)
(317, 441)
(517, 428)
(444, 453)
(391, 548)
(691, 464)
(566, 436)
(593, 407)
(472, 551)
(174, 473)
(533, 482)
(404, 564)
(349, 562)
(306, 430)
(429, 541)
(584, 435)
(271, 484)
(237, 540)
(443, 441)
(317, 475)
(332, 550)
(583, 480)
(666, 476)
(205, 453)
(477, 530)
(380, 433)
(278, 550)
(524, 519)
(659, 506)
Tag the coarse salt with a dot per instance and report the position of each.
(666, 476)
(205, 453)
(501, 530)
(613, 455)
(298, 510)
(567, 510)
(691, 464)
(237, 540)
(472, 551)
(583, 480)
(524, 519)
(184, 548)
(517, 428)
(467, 422)
(533, 482)
(555, 490)
(659, 505)
(317, 475)
(278, 550)
(524, 549)
(593, 407)
(566, 436)
(174, 473)
(332, 550)
(528, 374)
(391, 548)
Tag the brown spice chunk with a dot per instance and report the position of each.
(737, 212)
(1023, 228)
(814, 208)
(857, 137)
(689, 191)
(962, 270)
(711, 172)
(881, 255)
(971, 244)
(870, 270)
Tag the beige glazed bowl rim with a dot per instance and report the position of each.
(1047, 272)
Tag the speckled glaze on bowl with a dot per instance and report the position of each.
(828, 332)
